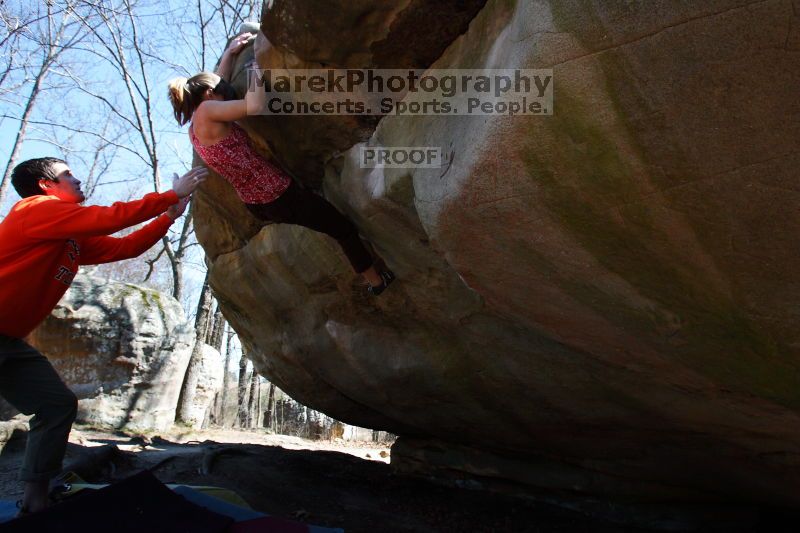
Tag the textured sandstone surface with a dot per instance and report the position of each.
(607, 295)
(122, 349)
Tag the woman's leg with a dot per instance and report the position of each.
(304, 208)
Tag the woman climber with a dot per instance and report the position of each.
(210, 103)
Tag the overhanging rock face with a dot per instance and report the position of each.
(607, 295)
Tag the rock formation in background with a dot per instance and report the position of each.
(123, 350)
(601, 302)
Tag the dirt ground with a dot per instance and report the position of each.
(336, 484)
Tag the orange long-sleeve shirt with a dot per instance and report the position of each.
(44, 240)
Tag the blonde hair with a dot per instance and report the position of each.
(186, 94)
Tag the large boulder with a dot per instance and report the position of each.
(379, 34)
(602, 301)
(122, 349)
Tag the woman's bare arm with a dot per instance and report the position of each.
(231, 110)
(229, 56)
(219, 111)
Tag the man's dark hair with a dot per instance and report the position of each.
(25, 176)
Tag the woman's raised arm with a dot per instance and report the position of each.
(229, 56)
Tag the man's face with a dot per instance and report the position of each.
(68, 187)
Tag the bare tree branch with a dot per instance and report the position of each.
(53, 46)
(151, 264)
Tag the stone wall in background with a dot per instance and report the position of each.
(122, 349)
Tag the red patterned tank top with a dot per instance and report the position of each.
(256, 180)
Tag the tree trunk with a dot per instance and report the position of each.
(282, 418)
(251, 400)
(270, 406)
(219, 395)
(176, 266)
(258, 404)
(217, 332)
(226, 377)
(189, 388)
(241, 411)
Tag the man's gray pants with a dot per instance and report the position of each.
(30, 383)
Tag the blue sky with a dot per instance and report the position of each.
(168, 30)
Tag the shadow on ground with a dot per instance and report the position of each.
(324, 488)
(320, 487)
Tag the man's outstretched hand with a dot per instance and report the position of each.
(186, 184)
(176, 210)
(184, 187)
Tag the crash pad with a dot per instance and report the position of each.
(136, 504)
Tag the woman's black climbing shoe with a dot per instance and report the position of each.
(387, 276)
